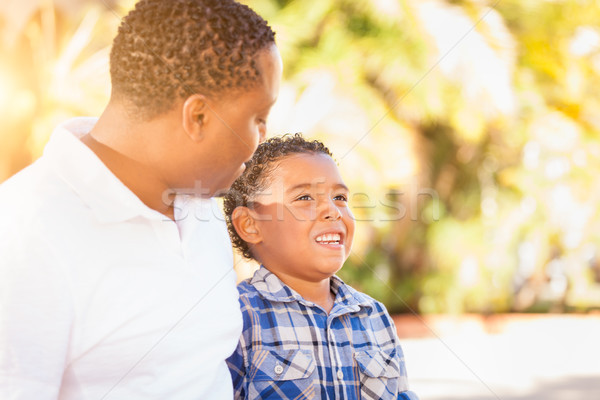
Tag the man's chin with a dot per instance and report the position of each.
(238, 173)
(223, 187)
(222, 192)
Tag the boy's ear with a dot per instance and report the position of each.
(195, 111)
(245, 225)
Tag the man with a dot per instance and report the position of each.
(116, 277)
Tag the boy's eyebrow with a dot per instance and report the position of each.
(298, 186)
(341, 186)
(309, 185)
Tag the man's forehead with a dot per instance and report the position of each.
(271, 67)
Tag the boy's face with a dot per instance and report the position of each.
(303, 219)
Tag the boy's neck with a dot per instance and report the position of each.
(318, 292)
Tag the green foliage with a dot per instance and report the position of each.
(467, 129)
(489, 114)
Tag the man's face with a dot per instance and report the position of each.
(305, 225)
(239, 125)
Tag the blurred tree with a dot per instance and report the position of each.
(467, 129)
(53, 65)
(436, 111)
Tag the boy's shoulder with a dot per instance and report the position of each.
(245, 288)
(348, 292)
(266, 285)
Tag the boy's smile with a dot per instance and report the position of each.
(333, 239)
(303, 220)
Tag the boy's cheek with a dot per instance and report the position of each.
(350, 226)
(350, 215)
(349, 221)
(301, 214)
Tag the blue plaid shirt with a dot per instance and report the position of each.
(291, 349)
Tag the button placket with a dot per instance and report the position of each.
(333, 353)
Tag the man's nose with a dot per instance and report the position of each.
(262, 133)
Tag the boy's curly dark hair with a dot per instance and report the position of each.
(167, 50)
(257, 173)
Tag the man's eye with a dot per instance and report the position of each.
(341, 197)
(304, 197)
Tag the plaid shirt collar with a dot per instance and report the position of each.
(272, 288)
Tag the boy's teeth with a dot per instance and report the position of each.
(329, 238)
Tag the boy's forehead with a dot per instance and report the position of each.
(303, 171)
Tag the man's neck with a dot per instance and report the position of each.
(118, 157)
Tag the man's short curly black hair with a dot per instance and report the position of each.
(256, 177)
(169, 50)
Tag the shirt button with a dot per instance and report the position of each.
(278, 369)
(340, 374)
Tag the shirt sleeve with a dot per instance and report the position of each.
(237, 361)
(36, 316)
(408, 395)
(403, 392)
(238, 372)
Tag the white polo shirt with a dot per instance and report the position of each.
(102, 297)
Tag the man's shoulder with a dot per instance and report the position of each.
(30, 191)
(37, 203)
(24, 180)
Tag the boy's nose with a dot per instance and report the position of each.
(331, 211)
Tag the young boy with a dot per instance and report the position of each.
(307, 335)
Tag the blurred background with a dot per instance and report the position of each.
(467, 130)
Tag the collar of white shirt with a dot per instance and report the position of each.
(84, 172)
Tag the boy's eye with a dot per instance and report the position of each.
(341, 197)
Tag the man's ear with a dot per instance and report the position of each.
(195, 111)
(245, 225)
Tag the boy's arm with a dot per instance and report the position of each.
(403, 392)
(408, 395)
(235, 362)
